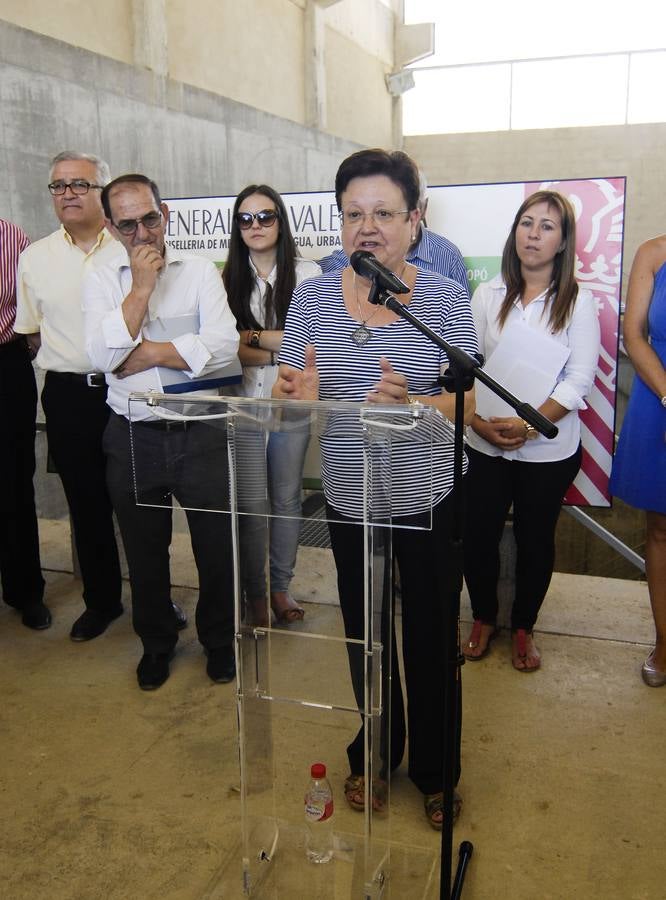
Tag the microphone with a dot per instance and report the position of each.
(368, 266)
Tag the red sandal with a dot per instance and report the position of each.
(519, 652)
(474, 640)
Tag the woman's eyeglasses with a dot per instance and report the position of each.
(128, 226)
(265, 218)
(378, 217)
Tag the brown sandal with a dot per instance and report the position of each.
(434, 806)
(355, 793)
(285, 609)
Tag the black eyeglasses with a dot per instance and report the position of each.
(265, 218)
(78, 186)
(151, 220)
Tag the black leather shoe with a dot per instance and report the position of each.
(221, 665)
(181, 618)
(153, 670)
(36, 616)
(91, 624)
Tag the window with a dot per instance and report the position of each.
(591, 63)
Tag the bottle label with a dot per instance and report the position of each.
(316, 810)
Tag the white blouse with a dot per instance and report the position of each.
(574, 382)
(258, 381)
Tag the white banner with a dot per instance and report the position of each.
(477, 218)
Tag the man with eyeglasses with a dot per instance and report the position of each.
(429, 250)
(153, 316)
(49, 312)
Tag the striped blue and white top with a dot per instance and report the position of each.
(401, 472)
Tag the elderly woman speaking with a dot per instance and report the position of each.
(339, 346)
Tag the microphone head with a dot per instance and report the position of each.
(357, 258)
(368, 266)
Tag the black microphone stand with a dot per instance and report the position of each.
(458, 379)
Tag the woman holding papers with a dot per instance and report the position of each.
(639, 467)
(260, 275)
(540, 335)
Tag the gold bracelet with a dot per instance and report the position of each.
(531, 431)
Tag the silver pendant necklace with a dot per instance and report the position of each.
(361, 335)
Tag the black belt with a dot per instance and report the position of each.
(90, 379)
(165, 425)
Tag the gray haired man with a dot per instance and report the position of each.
(50, 275)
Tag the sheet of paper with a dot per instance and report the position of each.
(526, 362)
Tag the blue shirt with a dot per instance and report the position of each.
(432, 253)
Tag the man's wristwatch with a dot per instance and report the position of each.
(531, 431)
(663, 401)
(253, 339)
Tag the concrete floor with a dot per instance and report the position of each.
(111, 792)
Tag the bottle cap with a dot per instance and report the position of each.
(318, 770)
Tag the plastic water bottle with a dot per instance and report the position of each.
(318, 815)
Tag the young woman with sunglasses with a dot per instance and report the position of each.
(260, 274)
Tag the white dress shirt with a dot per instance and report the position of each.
(187, 286)
(48, 295)
(574, 382)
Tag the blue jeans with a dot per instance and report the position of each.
(269, 478)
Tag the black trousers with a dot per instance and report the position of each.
(190, 465)
(427, 586)
(20, 570)
(76, 416)
(536, 491)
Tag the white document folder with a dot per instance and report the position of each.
(527, 363)
(175, 381)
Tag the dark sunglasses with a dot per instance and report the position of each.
(265, 218)
(129, 226)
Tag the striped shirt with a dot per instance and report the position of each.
(13, 241)
(432, 253)
(406, 474)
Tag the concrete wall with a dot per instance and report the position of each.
(55, 96)
(251, 51)
(78, 23)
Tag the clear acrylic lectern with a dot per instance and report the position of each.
(295, 698)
